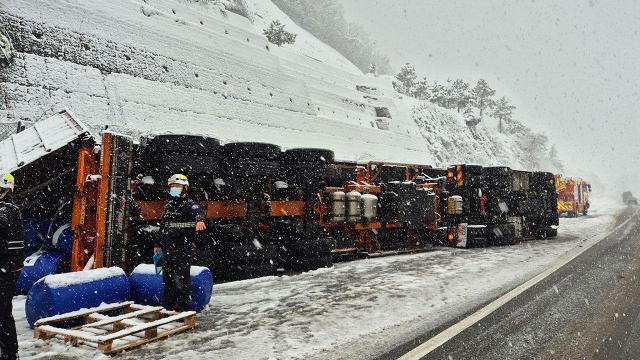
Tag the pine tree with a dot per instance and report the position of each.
(555, 161)
(438, 94)
(449, 95)
(406, 80)
(276, 34)
(483, 96)
(503, 111)
(535, 150)
(422, 90)
(373, 69)
(461, 94)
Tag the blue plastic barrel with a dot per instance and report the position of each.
(35, 231)
(61, 237)
(63, 293)
(38, 265)
(147, 287)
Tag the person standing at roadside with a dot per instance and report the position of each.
(11, 259)
(181, 219)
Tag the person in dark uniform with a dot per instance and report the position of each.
(181, 219)
(11, 259)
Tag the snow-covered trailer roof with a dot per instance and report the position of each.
(39, 140)
(44, 161)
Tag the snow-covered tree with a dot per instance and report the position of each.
(373, 69)
(533, 149)
(422, 90)
(483, 96)
(554, 160)
(461, 93)
(503, 111)
(276, 34)
(406, 80)
(450, 99)
(438, 94)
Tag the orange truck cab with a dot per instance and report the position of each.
(573, 196)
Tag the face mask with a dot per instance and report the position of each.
(175, 192)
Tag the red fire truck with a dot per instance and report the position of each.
(573, 196)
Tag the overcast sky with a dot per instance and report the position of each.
(571, 67)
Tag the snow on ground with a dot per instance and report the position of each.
(355, 310)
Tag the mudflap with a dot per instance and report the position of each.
(461, 236)
(503, 234)
(476, 236)
(115, 197)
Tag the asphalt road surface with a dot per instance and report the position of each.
(587, 309)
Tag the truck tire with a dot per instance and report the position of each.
(305, 166)
(188, 164)
(243, 160)
(171, 143)
(251, 150)
(252, 169)
(308, 156)
(161, 156)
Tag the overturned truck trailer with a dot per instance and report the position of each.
(499, 206)
(266, 209)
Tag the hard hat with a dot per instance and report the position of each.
(7, 182)
(178, 179)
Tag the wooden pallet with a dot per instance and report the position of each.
(114, 328)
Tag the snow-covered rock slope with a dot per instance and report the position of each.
(189, 66)
(450, 141)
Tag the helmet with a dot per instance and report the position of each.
(7, 182)
(178, 179)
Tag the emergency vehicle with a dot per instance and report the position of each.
(573, 196)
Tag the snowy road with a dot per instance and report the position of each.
(588, 308)
(355, 310)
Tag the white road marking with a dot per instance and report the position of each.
(435, 342)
